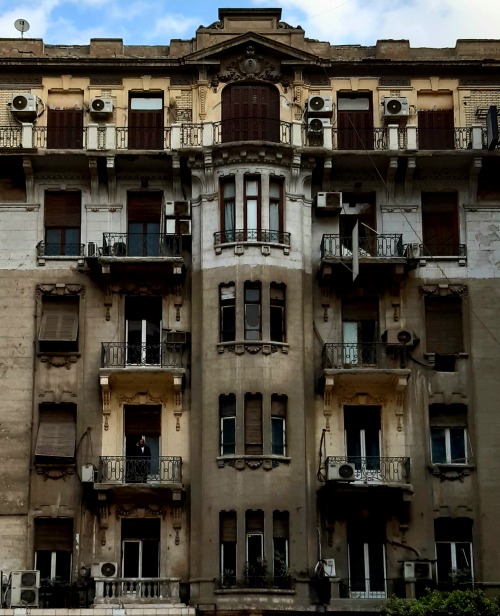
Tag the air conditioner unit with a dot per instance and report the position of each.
(394, 107)
(24, 588)
(413, 251)
(178, 226)
(24, 104)
(182, 208)
(101, 106)
(340, 471)
(176, 337)
(92, 249)
(329, 201)
(88, 473)
(319, 106)
(316, 126)
(104, 570)
(417, 570)
(396, 337)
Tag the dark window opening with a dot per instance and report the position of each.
(362, 426)
(228, 541)
(255, 564)
(228, 210)
(143, 330)
(140, 548)
(278, 424)
(253, 315)
(53, 550)
(253, 424)
(227, 302)
(142, 443)
(277, 315)
(227, 414)
(281, 557)
(455, 567)
(276, 223)
(59, 325)
(145, 122)
(440, 224)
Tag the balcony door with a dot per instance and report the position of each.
(362, 440)
(140, 551)
(366, 550)
(359, 331)
(142, 422)
(355, 121)
(145, 122)
(143, 330)
(144, 222)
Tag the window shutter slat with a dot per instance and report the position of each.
(227, 406)
(62, 209)
(59, 322)
(56, 433)
(54, 534)
(253, 424)
(144, 207)
(443, 325)
(228, 527)
(254, 521)
(280, 524)
(278, 406)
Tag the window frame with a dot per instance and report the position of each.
(62, 218)
(227, 305)
(227, 416)
(228, 204)
(276, 235)
(254, 442)
(277, 305)
(251, 234)
(453, 558)
(252, 286)
(448, 445)
(279, 407)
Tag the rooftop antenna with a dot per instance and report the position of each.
(22, 25)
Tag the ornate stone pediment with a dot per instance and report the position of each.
(249, 65)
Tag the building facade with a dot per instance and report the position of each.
(249, 338)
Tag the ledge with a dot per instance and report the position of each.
(451, 472)
(253, 346)
(239, 462)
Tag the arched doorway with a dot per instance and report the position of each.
(250, 112)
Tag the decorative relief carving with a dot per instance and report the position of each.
(59, 361)
(444, 290)
(250, 65)
(60, 289)
(450, 473)
(240, 462)
(50, 472)
(140, 511)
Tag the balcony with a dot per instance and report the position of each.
(136, 590)
(375, 469)
(59, 250)
(128, 355)
(252, 129)
(165, 470)
(379, 588)
(435, 250)
(252, 237)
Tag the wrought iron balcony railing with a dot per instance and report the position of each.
(458, 138)
(388, 245)
(352, 354)
(376, 469)
(371, 588)
(64, 138)
(129, 138)
(254, 581)
(141, 245)
(136, 589)
(441, 249)
(49, 249)
(252, 129)
(125, 354)
(264, 236)
(126, 469)
(359, 138)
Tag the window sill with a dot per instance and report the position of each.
(462, 261)
(59, 359)
(80, 259)
(265, 247)
(239, 462)
(451, 472)
(252, 346)
(55, 471)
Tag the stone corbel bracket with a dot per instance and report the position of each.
(177, 401)
(401, 385)
(327, 400)
(106, 398)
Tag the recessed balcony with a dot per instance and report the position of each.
(244, 238)
(368, 470)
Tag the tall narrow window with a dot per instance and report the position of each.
(142, 433)
(228, 542)
(276, 210)
(366, 539)
(278, 424)
(280, 547)
(436, 130)
(62, 223)
(354, 122)
(254, 535)
(145, 122)
(56, 438)
(359, 331)
(440, 223)
(454, 551)
(277, 316)
(140, 549)
(227, 414)
(448, 426)
(253, 316)
(53, 549)
(65, 129)
(227, 301)
(252, 214)
(144, 213)
(443, 329)
(228, 210)
(362, 439)
(143, 330)
(253, 424)
(59, 325)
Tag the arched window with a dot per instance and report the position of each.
(250, 112)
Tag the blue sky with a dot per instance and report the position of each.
(426, 23)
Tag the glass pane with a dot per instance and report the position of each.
(274, 190)
(228, 435)
(251, 214)
(274, 217)
(276, 323)
(229, 190)
(229, 560)
(72, 242)
(146, 103)
(438, 445)
(353, 446)
(372, 449)
(252, 295)
(150, 554)
(464, 560)
(254, 549)
(252, 322)
(53, 245)
(376, 564)
(229, 219)
(443, 553)
(131, 559)
(457, 446)
(43, 564)
(63, 566)
(228, 323)
(357, 572)
(251, 188)
(278, 436)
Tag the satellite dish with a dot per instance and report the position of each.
(22, 25)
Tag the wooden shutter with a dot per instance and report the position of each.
(254, 521)
(144, 206)
(453, 529)
(253, 424)
(227, 405)
(440, 223)
(145, 129)
(65, 128)
(59, 321)
(278, 406)
(436, 130)
(62, 208)
(250, 112)
(280, 524)
(56, 433)
(360, 309)
(143, 420)
(355, 130)
(443, 325)
(54, 534)
(228, 527)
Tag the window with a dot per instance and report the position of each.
(436, 130)
(253, 321)
(366, 549)
(354, 121)
(277, 312)
(59, 325)
(142, 463)
(440, 223)
(359, 331)
(252, 207)
(228, 210)
(143, 330)
(62, 223)
(145, 122)
(359, 208)
(250, 112)
(55, 441)
(144, 213)
(65, 129)
(253, 424)
(227, 414)
(140, 549)
(280, 546)
(362, 439)
(443, 329)
(254, 538)
(449, 441)
(454, 550)
(276, 225)
(228, 542)
(53, 549)
(227, 301)
(278, 425)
